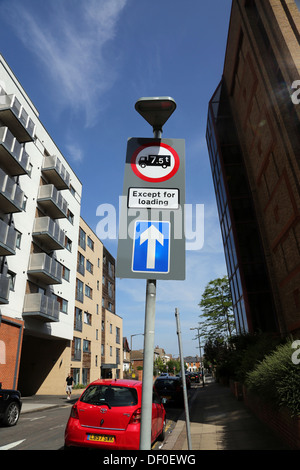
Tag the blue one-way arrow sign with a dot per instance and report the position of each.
(151, 247)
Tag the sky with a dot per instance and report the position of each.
(84, 65)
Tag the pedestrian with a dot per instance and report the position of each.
(69, 381)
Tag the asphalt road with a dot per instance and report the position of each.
(44, 430)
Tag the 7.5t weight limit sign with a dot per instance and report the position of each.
(151, 241)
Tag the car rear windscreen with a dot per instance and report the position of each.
(110, 395)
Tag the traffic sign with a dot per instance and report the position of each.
(151, 247)
(155, 162)
(151, 242)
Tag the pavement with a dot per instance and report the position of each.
(218, 421)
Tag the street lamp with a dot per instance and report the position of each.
(156, 111)
(136, 334)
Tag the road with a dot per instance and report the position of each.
(44, 430)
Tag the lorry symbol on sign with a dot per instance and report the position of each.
(155, 160)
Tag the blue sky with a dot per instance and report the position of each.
(84, 65)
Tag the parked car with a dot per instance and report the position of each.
(195, 377)
(170, 389)
(10, 407)
(108, 416)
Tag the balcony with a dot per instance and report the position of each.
(45, 268)
(13, 157)
(11, 195)
(55, 172)
(14, 116)
(52, 201)
(4, 289)
(41, 307)
(48, 233)
(8, 238)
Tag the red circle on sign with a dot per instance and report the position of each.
(162, 178)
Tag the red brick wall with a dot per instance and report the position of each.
(11, 335)
(280, 421)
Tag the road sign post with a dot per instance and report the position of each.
(151, 241)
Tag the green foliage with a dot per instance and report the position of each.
(235, 358)
(216, 304)
(277, 379)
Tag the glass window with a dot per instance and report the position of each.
(82, 236)
(113, 395)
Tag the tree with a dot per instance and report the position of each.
(217, 317)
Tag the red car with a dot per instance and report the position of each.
(108, 416)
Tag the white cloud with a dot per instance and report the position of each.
(68, 38)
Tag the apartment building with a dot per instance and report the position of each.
(40, 199)
(86, 345)
(253, 138)
(96, 350)
(112, 324)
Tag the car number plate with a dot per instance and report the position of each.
(100, 438)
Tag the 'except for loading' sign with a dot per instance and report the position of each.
(151, 247)
(155, 162)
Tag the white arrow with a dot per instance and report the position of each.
(153, 235)
(12, 445)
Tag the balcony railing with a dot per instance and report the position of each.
(48, 233)
(11, 195)
(52, 201)
(8, 238)
(4, 289)
(45, 268)
(13, 157)
(56, 172)
(14, 116)
(41, 307)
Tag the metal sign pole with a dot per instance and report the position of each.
(147, 385)
(186, 406)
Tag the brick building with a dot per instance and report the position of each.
(253, 138)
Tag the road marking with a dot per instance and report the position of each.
(13, 444)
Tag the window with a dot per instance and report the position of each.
(24, 204)
(90, 243)
(110, 289)
(117, 335)
(97, 334)
(72, 190)
(70, 216)
(89, 266)
(63, 304)
(110, 351)
(87, 318)
(77, 349)
(18, 239)
(86, 345)
(98, 285)
(12, 280)
(78, 319)
(68, 244)
(110, 328)
(88, 291)
(80, 263)
(82, 236)
(79, 290)
(65, 273)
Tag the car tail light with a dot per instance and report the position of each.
(74, 412)
(136, 417)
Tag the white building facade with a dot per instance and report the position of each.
(40, 199)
